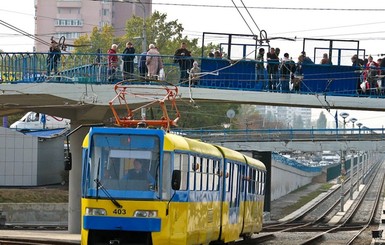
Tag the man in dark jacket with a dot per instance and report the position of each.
(53, 58)
(272, 69)
(183, 57)
(128, 61)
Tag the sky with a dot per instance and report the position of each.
(328, 19)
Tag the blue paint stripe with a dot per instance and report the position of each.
(120, 223)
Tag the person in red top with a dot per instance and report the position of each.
(112, 62)
(370, 74)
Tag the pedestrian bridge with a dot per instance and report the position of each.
(306, 140)
(81, 91)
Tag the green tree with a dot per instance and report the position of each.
(298, 122)
(166, 35)
(321, 121)
(98, 39)
(198, 116)
(248, 118)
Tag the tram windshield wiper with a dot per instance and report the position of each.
(105, 191)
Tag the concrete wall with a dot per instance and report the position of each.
(35, 213)
(286, 179)
(18, 158)
(27, 160)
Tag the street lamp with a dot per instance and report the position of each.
(344, 115)
(359, 127)
(144, 43)
(353, 120)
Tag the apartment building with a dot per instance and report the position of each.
(287, 115)
(73, 18)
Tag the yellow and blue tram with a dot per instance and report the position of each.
(199, 193)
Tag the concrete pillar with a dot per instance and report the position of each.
(74, 207)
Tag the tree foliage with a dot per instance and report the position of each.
(98, 39)
(167, 36)
(321, 121)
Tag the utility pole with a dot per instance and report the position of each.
(343, 172)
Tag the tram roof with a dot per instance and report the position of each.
(255, 163)
(231, 154)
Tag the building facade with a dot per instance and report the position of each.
(287, 115)
(74, 18)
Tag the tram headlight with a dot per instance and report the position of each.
(96, 211)
(146, 213)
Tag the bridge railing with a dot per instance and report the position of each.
(270, 135)
(215, 73)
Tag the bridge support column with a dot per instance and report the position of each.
(74, 205)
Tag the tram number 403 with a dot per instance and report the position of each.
(119, 211)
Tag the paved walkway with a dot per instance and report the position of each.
(278, 206)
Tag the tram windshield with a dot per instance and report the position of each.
(122, 163)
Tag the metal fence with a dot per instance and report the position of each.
(217, 73)
(280, 135)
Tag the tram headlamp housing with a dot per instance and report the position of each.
(96, 211)
(146, 213)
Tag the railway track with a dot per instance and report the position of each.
(313, 227)
(33, 241)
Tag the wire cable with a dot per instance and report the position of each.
(243, 17)
(250, 16)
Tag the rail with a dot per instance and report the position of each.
(282, 135)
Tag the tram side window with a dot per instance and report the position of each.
(252, 182)
(210, 175)
(205, 171)
(192, 173)
(242, 175)
(234, 185)
(216, 169)
(262, 182)
(198, 174)
(181, 163)
(227, 177)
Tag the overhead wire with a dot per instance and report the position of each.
(24, 33)
(252, 18)
(251, 30)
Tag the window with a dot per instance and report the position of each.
(227, 177)
(216, 169)
(68, 35)
(105, 12)
(181, 163)
(204, 171)
(166, 176)
(113, 155)
(210, 174)
(234, 185)
(252, 181)
(68, 22)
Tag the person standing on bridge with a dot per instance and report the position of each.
(154, 62)
(53, 58)
(261, 68)
(183, 57)
(128, 61)
(112, 62)
(272, 69)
